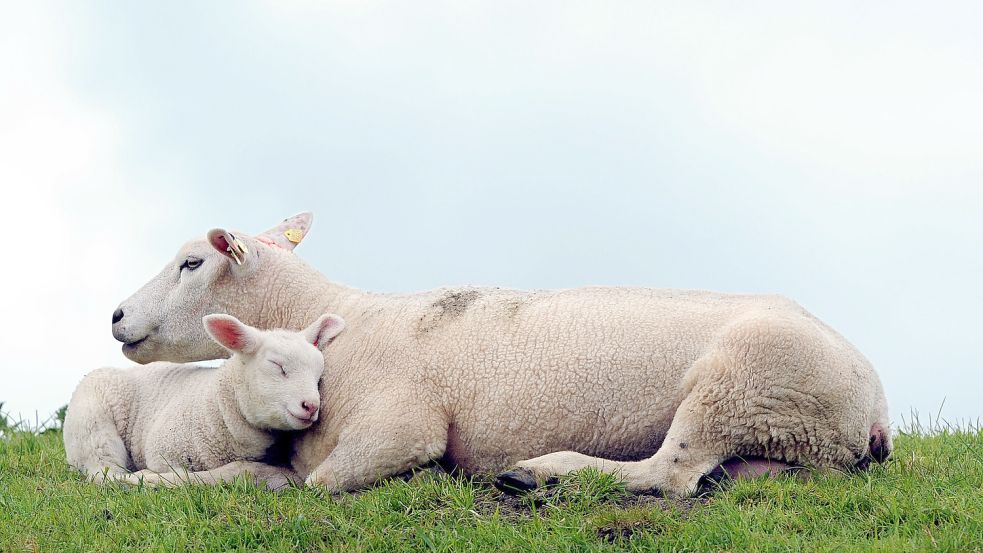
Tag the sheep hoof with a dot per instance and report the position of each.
(516, 481)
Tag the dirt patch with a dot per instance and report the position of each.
(622, 530)
(455, 302)
(449, 306)
(517, 301)
(508, 506)
(523, 506)
(512, 307)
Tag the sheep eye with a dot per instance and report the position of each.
(283, 370)
(191, 263)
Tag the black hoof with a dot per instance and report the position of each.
(516, 481)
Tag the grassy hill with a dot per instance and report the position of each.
(928, 497)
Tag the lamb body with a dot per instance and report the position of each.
(169, 417)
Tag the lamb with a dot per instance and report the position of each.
(174, 422)
(660, 387)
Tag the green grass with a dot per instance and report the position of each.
(928, 497)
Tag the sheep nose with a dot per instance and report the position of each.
(309, 408)
(117, 315)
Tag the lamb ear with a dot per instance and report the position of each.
(289, 233)
(228, 245)
(323, 330)
(231, 333)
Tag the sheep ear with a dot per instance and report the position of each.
(228, 245)
(323, 330)
(289, 233)
(231, 333)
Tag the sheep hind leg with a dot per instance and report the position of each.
(675, 470)
(696, 446)
(532, 473)
(93, 444)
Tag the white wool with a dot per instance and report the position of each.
(168, 417)
(485, 377)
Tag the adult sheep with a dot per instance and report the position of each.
(657, 386)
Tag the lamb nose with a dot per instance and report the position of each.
(117, 315)
(308, 407)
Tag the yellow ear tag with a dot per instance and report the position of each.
(294, 235)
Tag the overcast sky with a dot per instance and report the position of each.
(831, 153)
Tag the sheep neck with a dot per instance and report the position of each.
(301, 294)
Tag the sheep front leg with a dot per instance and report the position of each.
(367, 453)
(274, 477)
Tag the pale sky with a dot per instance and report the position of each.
(831, 152)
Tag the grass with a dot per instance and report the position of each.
(928, 497)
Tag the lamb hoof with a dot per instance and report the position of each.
(516, 481)
(277, 483)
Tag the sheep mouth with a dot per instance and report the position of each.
(303, 420)
(135, 343)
